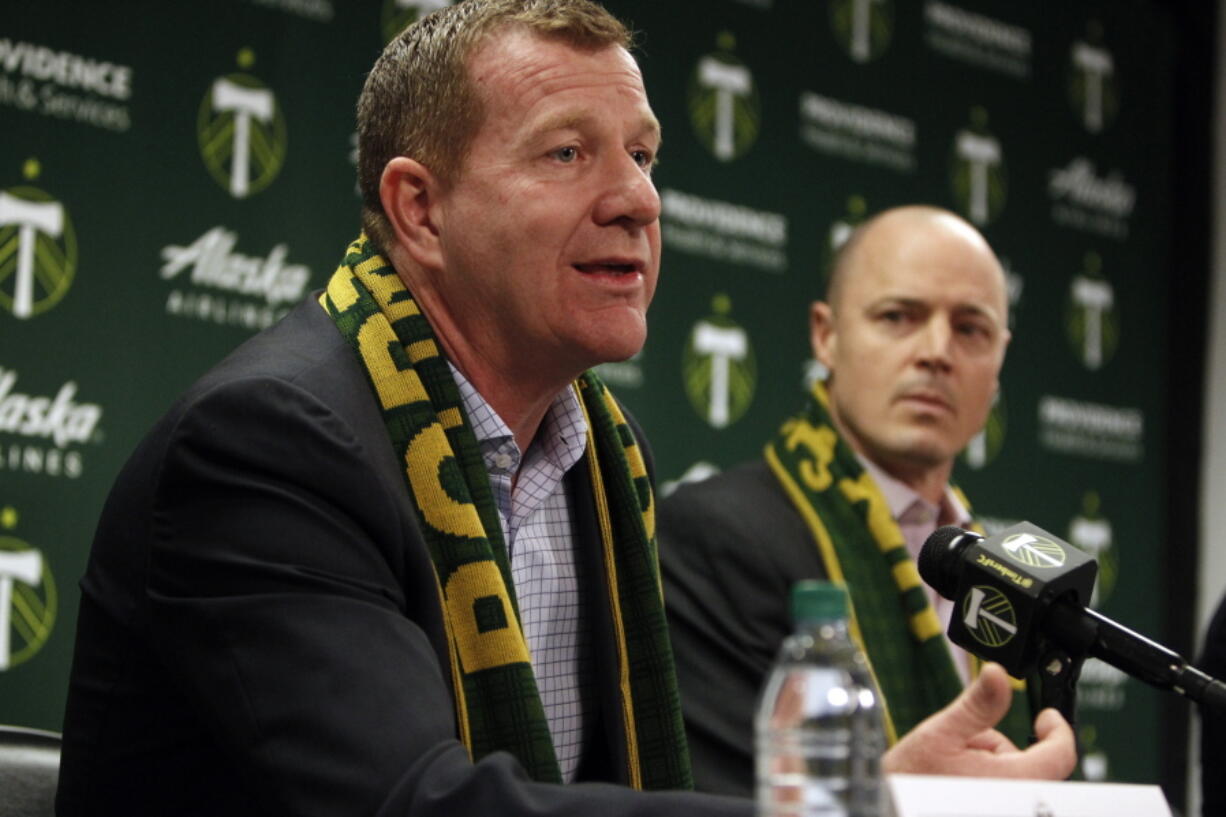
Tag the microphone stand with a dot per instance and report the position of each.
(1054, 682)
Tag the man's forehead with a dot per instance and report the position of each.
(975, 287)
(523, 63)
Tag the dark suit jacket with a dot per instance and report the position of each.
(1213, 724)
(730, 549)
(260, 629)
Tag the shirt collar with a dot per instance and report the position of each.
(901, 499)
(562, 437)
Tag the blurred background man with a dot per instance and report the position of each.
(913, 333)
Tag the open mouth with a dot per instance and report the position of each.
(608, 268)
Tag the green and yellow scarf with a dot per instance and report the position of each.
(862, 546)
(498, 705)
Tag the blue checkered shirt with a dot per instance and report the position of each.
(535, 511)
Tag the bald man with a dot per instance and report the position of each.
(913, 333)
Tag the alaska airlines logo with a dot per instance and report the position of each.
(60, 418)
(719, 368)
(863, 28)
(1078, 183)
(28, 598)
(38, 250)
(241, 132)
(724, 105)
(979, 180)
(1092, 321)
(1083, 200)
(400, 14)
(1093, 89)
(214, 264)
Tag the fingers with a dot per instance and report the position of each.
(1055, 754)
(982, 704)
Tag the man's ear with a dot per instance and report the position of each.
(409, 191)
(822, 337)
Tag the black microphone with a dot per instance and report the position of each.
(1022, 590)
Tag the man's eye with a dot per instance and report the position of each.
(893, 316)
(643, 158)
(566, 154)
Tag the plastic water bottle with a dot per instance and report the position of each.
(819, 728)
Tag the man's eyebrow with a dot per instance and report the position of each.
(920, 303)
(574, 120)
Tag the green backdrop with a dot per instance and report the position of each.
(174, 176)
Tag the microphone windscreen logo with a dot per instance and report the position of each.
(1034, 551)
(989, 616)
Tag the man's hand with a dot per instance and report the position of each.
(961, 740)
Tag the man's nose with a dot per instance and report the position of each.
(934, 344)
(630, 196)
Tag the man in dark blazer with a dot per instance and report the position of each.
(308, 593)
(912, 333)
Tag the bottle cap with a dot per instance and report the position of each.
(814, 600)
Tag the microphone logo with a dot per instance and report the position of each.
(1034, 551)
(989, 616)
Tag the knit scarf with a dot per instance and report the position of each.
(862, 547)
(498, 706)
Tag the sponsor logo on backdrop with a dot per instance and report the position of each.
(840, 230)
(28, 598)
(227, 287)
(64, 85)
(1095, 763)
(985, 446)
(718, 367)
(850, 131)
(1094, 90)
(863, 28)
(977, 39)
(978, 171)
(1091, 532)
(241, 132)
(1091, 320)
(625, 374)
(1094, 430)
(695, 473)
(725, 109)
(1101, 686)
(319, 10)
(1015, 285)
(43, 434)
(400, 14)
(38, 248)
(724, 231)
(1084, 200)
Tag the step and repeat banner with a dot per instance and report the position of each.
(170, 187)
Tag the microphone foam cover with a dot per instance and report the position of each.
(939, 558)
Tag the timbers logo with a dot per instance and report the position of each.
(38, 248)
(863, 28)
(977, 172)
(718, 367)
(28, 597)
(1091, 315)
(241, 132)
(724, 104)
